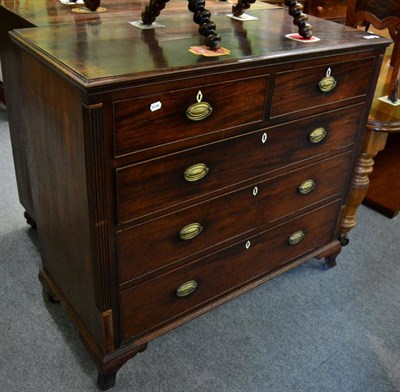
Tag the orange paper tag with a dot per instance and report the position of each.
(298, 37)
(204, 51)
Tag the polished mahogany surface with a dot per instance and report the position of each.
(78, 50)
(220, 225)
(109, 173)
(52, 12)
(161, 177)
(148, 305)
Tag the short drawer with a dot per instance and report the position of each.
(300, 89)
(159, 300)
(167, 240)
(150, 121)
(159, 184)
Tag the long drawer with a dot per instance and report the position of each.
(172, 238)
(302, 89)
(155, 302)
(150, 121)
(161, 183)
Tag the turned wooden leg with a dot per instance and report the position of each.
(29, 220)
(299, 18)
(373, 143)
(152, 10)
(106, 381)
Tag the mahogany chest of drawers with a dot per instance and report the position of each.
(164, 183)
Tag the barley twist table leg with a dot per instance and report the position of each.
(373, 143)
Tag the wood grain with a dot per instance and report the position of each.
(88, 201)
(156, 244)
(137, 127)
(158, 184)
(295, 88)
(153, 303)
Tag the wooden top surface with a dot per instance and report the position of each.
(51, 12)
(98, 53)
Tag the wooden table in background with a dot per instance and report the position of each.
(383, 193)
(384, 190)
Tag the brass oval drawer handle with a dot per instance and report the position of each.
(186, 288)
(199, 110)
(196, 172)
(296, 237)
(190, 231)
(307, 186)
(328, 83)
(317, 135)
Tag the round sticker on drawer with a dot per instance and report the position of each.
(155, 106)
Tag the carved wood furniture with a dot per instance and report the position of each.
(41, 13)
(299, 18)
(163, 188)
(295, 10)
(201, 16)
(383, 119)
(382, 14)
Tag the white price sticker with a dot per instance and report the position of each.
(155, 106)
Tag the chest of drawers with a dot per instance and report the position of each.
(165, 184)
(40, 13)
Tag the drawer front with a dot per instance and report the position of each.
(154, 302)
(150, 121)
(299, 90)
(172, 238)
(160, 184)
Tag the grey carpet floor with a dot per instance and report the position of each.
(308, 330)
